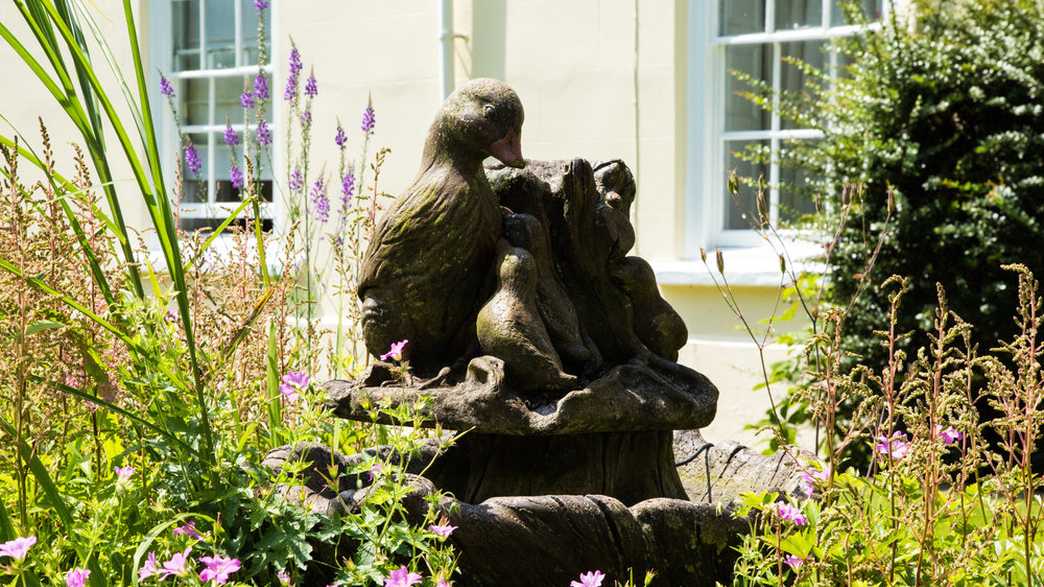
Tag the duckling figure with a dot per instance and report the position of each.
(428, 267)
(510, 327)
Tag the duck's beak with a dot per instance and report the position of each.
(508, 150)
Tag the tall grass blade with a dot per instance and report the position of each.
(43, 478)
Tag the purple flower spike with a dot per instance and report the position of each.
(261, 87)
(347, 188)
(320, 203)
(166, 88)
(340, 138)
(306, 118)
(295, 61)
(246, 100)
(236, 176)
(264, 134)
(311, 86)
(192, 160)
(296, 180)
(231, 136)
(260, 4)
(369, 119)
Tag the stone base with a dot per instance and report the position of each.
(628, 466)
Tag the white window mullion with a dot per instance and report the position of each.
(211, 143)
(238, 35)
(202, 35)
(827, 13)
(770, 16)
(773, 179)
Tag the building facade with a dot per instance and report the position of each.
(654, 83)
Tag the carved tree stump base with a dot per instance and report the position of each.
(628, 466)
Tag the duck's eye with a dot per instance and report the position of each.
(488, 110)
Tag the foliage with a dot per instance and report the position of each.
(144, 390)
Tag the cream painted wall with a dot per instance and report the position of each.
(573, 64)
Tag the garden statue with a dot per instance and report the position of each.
(532, 332)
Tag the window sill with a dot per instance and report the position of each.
(744, 266)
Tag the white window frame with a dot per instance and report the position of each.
(707, 137)
(161, 52)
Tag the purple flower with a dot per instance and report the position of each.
(792, 514)
(395, 351)
(261, 87)
(949, 435)
(897, 447)
(188, 529)
(443, 528)
(442, 582)
(295, 72)
(347, 188)
(178, 565)
(124, 473)
(260, 4)
(589, 579)
(296, 180)
(231, 136)
(246, 100)
(402, 577)
(192, 160)
(166, 88)
(218, 569)
(284, 577)
(306, 118)
(150, 568)
(77, 577)
(793, 562)
(291, 384)
(236, 176)
(340, 138)
(320, 203)
(311, 86)
(369, 118)
(375, 471)
(17, 548)
(264, 134)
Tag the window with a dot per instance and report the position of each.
(210, 51)
(760, 39)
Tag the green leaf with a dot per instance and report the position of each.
(52, 496)
(41, 326)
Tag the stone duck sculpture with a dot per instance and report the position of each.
(429, 267)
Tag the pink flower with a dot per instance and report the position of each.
(402, 577)
(809, 477)
(178, 565)
(150, 568)
(124, 473)
(17, 548)
(793, 562)
(218, 569)
(189, 529)
(77, 577)
(949, 435)
(284, 577)
(395, 351)
(442, 529)
(897, 447)
(792, 514)
(375, 471)
(589, 579)
(291, 384)
(442, 583)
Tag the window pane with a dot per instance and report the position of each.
(756, 62)
(793, 79)
(749, 160)
(195, 184)
(871, 10)
(797, 194)
(221, 34)
(250, 24)
(742, 16)
(227, 92)
(185, 22)
(223, 190)
(194, 101)
(796, 14)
